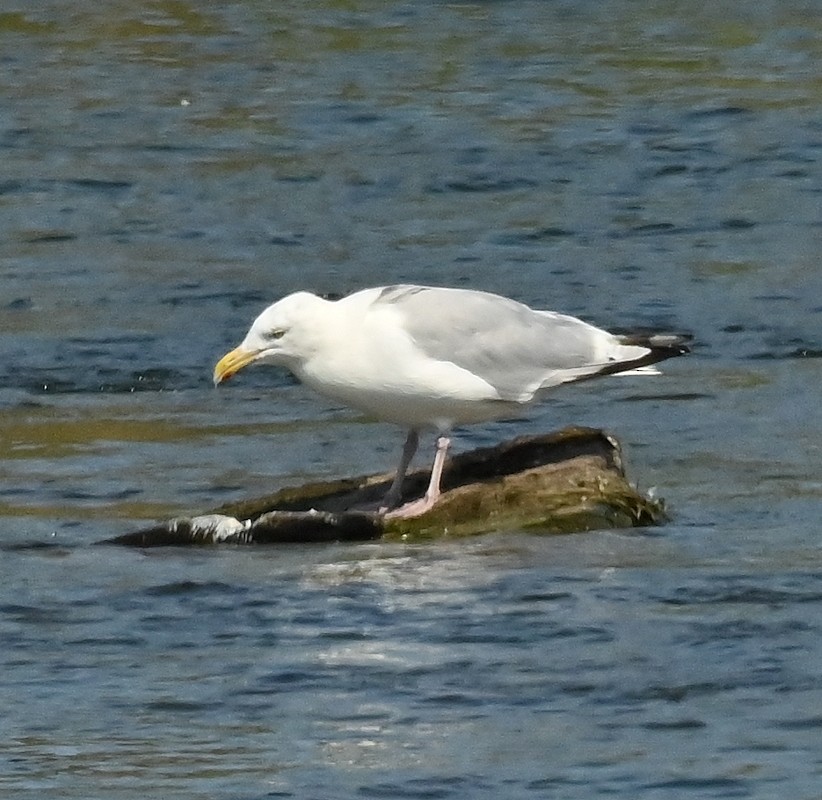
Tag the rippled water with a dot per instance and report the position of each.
(168, 169)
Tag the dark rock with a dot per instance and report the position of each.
(562, 482)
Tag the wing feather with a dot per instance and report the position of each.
(518, 350)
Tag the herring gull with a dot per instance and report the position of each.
(429, 357)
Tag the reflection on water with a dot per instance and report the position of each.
(168, 170)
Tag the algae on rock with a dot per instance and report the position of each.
(563, 482)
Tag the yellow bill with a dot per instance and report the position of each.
(231, 363)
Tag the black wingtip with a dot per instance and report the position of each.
(665, 345)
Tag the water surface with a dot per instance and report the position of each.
(169, 169)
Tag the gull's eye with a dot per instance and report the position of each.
(274, 334)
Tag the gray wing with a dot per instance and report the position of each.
(514, 348)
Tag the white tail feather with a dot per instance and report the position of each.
(649, 370)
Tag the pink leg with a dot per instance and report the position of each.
(417, 507)
(394, 494)
(432, 493)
